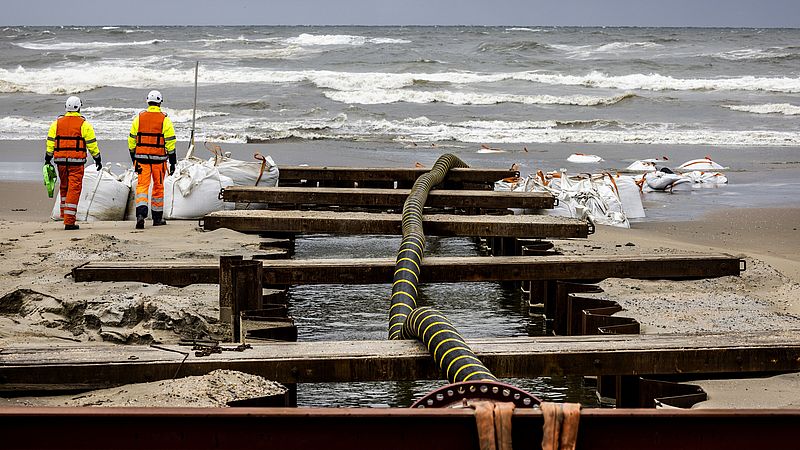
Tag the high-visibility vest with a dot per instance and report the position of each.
(150, 142)
(70, 146)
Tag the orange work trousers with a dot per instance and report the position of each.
(71, 176)
(155, 172)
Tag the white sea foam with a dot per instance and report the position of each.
(135, 74)
(110, 28)
(83, 45)
(341, 39)
(656, 82)
(115, 113)
(523, 29)
(423, 129)
(382, 96)
(770, 108)
(602, 50)
(753, 54)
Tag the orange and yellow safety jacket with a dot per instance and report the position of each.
(152, 136)
(68, 139)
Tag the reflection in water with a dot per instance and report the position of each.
(359, 312)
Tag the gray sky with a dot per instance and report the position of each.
(714, 13)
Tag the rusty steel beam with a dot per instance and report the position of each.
(388, 429)
(359, 223)
(435, 269)
(385, 198)
(404, 176)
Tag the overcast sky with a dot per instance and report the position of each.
(713, 13)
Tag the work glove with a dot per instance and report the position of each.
(171, 168)
(47, 158)
(136, 167)
(98, 164)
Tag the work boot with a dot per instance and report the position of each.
(158, 218)
(71, 227)
(139, 223)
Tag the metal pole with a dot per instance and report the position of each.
(194, 109)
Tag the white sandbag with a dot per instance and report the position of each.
(706, 178)
(700, 164)
(263, 172)
(193, 191)
(630, 196)
(103, 197)
(583, 158)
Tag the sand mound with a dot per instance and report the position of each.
(213, 390)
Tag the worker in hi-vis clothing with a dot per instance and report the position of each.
(68, 140)
(151, 143)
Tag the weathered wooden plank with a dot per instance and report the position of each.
(434, 270)
(385, 198)
(72, 365)
(316, 222)
(400, 174)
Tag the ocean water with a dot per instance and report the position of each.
(402, 85)
(374, 96)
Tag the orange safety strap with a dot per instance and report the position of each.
(493, 420)
(560, 429)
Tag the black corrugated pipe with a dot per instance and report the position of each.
(406, 319)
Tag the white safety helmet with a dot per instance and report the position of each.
(73, 104)
(154, 97)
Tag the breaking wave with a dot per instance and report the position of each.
(83, 45)
(341, 39)
(423, 129)
(132, 74)
(770, 108)
(383, 96)
(750, 54)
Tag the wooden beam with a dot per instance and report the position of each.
(69, 366)
(385, 198)
(316, 222)
(401, 175)
(434, 269)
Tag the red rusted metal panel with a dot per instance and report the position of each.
(353, 429)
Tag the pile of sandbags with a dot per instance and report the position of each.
(193, 190)
(604, 198)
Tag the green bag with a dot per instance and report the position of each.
(49, 173)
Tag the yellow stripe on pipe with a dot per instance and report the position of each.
(404, 269)
(400, 304)
(408, 283)
(407, 295)
(419, 327)
(455, 376)
(466, 378)
(398, 315)
(409, 250)
(429, 327)
(408, 259)
(444, 355)
(460, 340)
(446, 330)
(450, 366)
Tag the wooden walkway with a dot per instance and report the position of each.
(353, 223)
(385, 198)
(51, 366)
(434, 269)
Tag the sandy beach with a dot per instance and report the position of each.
(41, 302)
